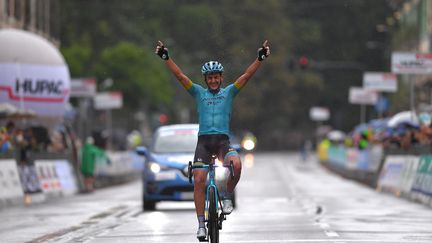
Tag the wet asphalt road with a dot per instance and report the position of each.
(280, 199)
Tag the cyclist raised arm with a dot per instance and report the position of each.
(162, 52)
(214, 106)
(263, 52)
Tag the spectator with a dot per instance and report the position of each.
(424, 134)
(5, 144)
(364, 139)
(90, 153)
(57, 143)
(10, 128)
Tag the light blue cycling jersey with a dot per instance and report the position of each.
(214, 110)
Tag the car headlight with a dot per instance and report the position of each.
(248, 144)
(154, 167)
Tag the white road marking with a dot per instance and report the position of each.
(301, 240)
(327, 230)
(331, 233)
(324, 226)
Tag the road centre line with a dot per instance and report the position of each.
(331, 233)
(324, 226)
(327, 230)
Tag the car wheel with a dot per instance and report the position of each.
(148, 205)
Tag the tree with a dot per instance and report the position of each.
(141, 77)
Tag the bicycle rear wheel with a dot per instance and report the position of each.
(213, 225)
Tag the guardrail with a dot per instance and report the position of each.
(403, 173)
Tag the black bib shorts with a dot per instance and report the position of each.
(213, 144)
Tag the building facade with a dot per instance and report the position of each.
(37, 16)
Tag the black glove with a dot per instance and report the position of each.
(162, 51)
(263, 52)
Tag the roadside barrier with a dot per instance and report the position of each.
(361, 165)
(51, 175)
(403, 173)
(56, 177)
(352, 157)
(367, 160)
(397, 174)
(118, 164)
(409, 173)
(66, 177)
(48, 177)
(422, 185)
(122, 166)
(11, 191)
(30, 184)
(411, 177)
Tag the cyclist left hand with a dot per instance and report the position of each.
(162, 51)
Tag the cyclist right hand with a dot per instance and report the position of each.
(162, 51)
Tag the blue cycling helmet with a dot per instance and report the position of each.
(212, 67)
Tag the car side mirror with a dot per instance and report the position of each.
(141, 150)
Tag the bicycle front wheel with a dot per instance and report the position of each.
(213, 225)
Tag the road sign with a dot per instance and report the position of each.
(83, 87)
(385, 82)
(108, 100)
(358, 95)
(411, 63)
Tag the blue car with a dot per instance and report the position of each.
(165, 174)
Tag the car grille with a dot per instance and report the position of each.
(171, 190)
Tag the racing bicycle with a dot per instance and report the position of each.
(213, 203)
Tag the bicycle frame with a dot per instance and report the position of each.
(211, 183)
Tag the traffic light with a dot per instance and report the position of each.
(298, 63)
(303, 62)
(163, 118)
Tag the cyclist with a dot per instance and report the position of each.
(214, 106)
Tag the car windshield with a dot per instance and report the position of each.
(175, 141)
